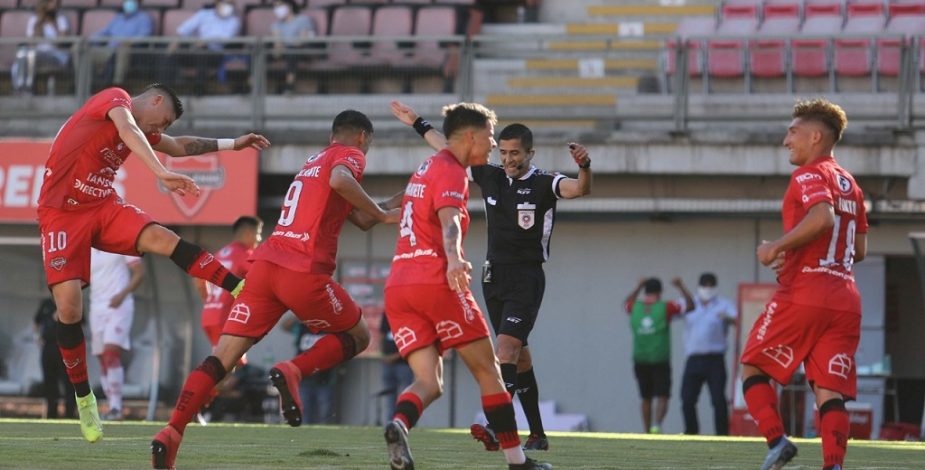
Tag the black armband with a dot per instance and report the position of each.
(421, 126)
(585, 165)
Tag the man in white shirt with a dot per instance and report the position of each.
(705, 329)
(113, 278)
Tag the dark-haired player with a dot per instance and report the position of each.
(814, 317)
(520, 202)
(79, 209)
(427, 298)
(292, 271)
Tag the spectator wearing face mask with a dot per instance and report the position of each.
(47, 25)
(210, 26)
(131, 22)
(288, 30)
(705, 331)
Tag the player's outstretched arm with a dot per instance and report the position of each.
(819, 219)
(343, 182)
(406, 114)
(185, 146)
(571, 188)
(136, 141)
(688, 298)
(630, 299)
(457, 268)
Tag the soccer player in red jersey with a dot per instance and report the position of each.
(79, 209)
(814, 317)
(427, 298)
(235, 256)
(292, 271)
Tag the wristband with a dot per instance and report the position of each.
(225, 144)
(585, 165)
(421, 126)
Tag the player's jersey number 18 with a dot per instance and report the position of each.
(847, 260)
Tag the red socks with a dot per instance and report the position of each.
(326, 353)
(200, 263)
(75, 361)
(500, 414)
(761, 399)
(408, 409)
(834, 429)
(196, 391)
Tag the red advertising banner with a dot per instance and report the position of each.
(228, 180)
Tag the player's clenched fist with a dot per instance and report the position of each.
(579, 153)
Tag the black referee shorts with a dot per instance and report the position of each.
(513, 297)
(654, 379)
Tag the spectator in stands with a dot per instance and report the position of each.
(208, 25)
(131, 22)
(705, 329)
(53, 373)
(46, 55)
(396, 373)
(649, 320)
(289, 28)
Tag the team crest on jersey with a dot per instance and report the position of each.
(526, 215)
(844, 184)
(314, 157)
(206, 171)
(423, 168)
(58, 263)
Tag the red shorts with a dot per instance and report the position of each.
(319, 302)
(421, 315)
(824, 340)
(67, 236)
(213, 332)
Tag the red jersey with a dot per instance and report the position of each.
(439, 182)
(235, 257)
(305, 237)
(86, 154)
(819, 273)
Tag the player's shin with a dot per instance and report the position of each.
(834, 431)
(761, 400)
(196, 391)
(509, 376)
(530, 400)
(499, 410)
(73, 349)
(203, 265)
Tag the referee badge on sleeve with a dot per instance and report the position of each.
(526, 215)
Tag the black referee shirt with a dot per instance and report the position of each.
(521, 212)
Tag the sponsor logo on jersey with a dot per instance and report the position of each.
(453, 195)
(332, 297)
(806, 177)
(303, 236)
(513, 320)
(468, 313)
(57, 263)
(841, 365)
(524, 191)
(766, 321)
(206, 171)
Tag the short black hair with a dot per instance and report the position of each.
(518, 131)
(462, 115)
(708, 279)
(351, 120)
(247, 221)
(177, 104)
(293, 6)
(653, 286)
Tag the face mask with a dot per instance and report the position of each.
(281, 11)
(224, 10)
(129, 7)
(706, 293)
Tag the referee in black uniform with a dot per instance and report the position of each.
(520, 203)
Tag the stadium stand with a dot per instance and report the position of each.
(810, 57)
(726, 58)
(95, 20)
(696, 26)
(768, 57)
(853, 55)
(906, 19)
(395, 20)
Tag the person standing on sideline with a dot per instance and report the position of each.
(427, 297)
(113, 278)
(705, 330)
(814, 317)
(79, 209)
(293, 271)
(235, 256)
(650, 320)
(520, 201)
(396, 374)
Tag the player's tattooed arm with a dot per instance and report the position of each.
(184, 146)
(457, 268)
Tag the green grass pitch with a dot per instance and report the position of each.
(35, 445)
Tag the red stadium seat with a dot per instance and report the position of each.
(258, 22)
(81, 4)
(348, 21)
(197, 4)
(768, 57)
(853, 55)
(8, 4)
(726, 58)
(456, 2)
(810, 56)
(739, 11)
(320, 18)
(865, 8)
(907, 9)
(173, 19)
(95, 20)
(324, 3)
(156, 18)
(781, 10)
(396, 20)
(822, 8)
(13, 24)
(688, 27)
(889, 49)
